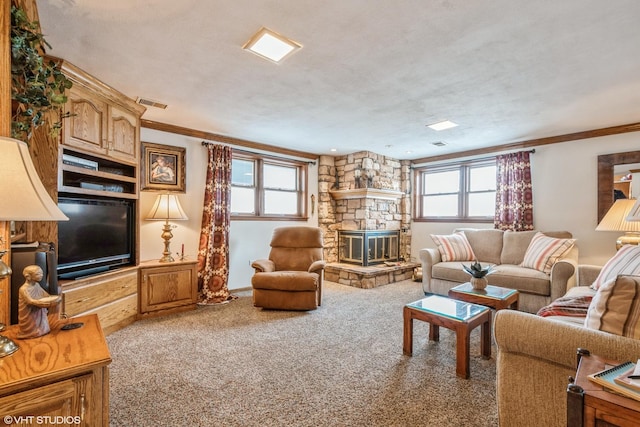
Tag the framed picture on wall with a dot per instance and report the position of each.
(163, 168)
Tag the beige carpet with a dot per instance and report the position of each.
(340, 365)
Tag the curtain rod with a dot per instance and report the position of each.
(258, 154)
(532, 151)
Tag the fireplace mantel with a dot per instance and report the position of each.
(366, 193)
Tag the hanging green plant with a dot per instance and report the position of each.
(37, 83)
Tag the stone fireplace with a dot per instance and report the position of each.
(364, 208)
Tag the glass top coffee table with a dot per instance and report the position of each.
(492, 296)
(460, 317)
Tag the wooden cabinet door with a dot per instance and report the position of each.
(170, 287)
(123, 135)
(53, 404)
(86, 128)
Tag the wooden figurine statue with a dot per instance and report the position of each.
(37, 310)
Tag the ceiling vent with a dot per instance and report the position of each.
(150, 103)
(438, 144)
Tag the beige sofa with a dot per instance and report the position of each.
(506, 251)
(536, 356)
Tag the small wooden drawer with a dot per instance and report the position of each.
(83, 297)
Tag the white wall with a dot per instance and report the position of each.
(565, 195)
(565, 198)
(249, 240)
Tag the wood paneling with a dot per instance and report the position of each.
(5, 68)
(5, 130)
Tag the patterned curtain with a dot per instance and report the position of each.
(213, 253)
(514, 193)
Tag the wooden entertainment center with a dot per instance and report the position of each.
(98, 155)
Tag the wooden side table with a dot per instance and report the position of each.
(61, 375)
(167, 287)
(590, 404)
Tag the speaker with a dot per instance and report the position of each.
(22, 255)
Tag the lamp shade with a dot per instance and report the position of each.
(634, 212)
(167, 206)
(24, 198)
(616, 217)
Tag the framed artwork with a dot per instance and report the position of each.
(163, 168)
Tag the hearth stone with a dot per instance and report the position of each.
(369, 277)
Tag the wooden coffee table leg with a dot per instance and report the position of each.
(485, 338)
(434, 332)
(407, 336)
(462, 350)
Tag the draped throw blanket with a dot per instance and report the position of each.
(213, 253)
(573, 306)
(514, 193)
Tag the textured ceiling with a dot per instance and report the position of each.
(371, 74)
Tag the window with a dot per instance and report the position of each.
(267, 188)
(456, 192)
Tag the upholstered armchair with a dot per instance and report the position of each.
(291, 279)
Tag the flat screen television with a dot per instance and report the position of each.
(98, 237)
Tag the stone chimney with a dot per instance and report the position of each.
(364, 191)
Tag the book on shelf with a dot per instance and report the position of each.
(624, 380)
(607, 379)
(79, 162)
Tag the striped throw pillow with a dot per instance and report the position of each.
(544, 251)
(625, 262)
(616, 307)
(454, 247)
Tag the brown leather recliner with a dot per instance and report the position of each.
(291, 279)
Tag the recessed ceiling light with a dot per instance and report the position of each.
(445, 124)
(271, 45)
(334, 149)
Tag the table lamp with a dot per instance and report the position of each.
(24, 199)
(616, 219)
(166, 207)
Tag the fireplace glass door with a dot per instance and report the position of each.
(365, 247)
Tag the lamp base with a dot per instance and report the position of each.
(7, 346)
(166, 235)
(629, 238)
(166, 258)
